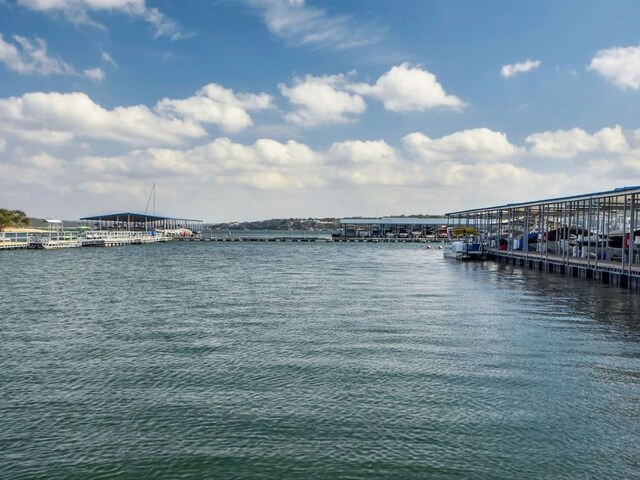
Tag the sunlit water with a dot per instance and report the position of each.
(305, 360)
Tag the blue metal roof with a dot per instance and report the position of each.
(134, 217)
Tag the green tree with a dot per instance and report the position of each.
(13, 218)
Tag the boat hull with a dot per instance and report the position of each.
(464, 251)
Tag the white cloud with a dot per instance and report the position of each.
(31, 57)
(508, 71)
(321, 100)
(39, 136)
(368, 163)
(57, 118)
(407, 88)
(106, 58)
(78, 11)
(334, 99)
(75, 114)
(41, 170)
(265, 165)
(96, 74)
(218, 105)
(287, 154)
(620, 66)
(362, 152)
(569, 143)
(620, 169)
(300, 24)
(479, 144)
(469, 168)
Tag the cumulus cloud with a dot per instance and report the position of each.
(456, 171)
(267, 164)
(569, 143)
(620, 66)
(57, 118)
(479, 144)
(69, 115)
(41, 170)
(409, 88)
(362, 152)
(321, 100)
(218, 105)
(301, 24)
(31, 57)
(508, 71)
(336, 99)
(368, 163)
(78, 11)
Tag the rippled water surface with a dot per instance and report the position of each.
(303, 360)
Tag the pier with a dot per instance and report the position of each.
(593, 236)
(307, 238)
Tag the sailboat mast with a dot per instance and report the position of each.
(152, 193)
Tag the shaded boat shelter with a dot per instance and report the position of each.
(382, 226)
(595, 234)
(130, 221)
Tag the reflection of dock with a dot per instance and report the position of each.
(594, 236)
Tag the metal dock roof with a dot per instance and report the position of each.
(621, 191)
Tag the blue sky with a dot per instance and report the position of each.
(252, 109)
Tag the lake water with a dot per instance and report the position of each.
(311, 361)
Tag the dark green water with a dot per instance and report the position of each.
(301, 360)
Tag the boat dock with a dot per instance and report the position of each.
(305, 238)
(593, 236)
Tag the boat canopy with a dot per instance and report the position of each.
(134, 217)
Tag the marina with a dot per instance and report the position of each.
(593, 236)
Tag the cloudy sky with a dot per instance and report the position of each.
(253, 109)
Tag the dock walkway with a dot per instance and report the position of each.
(605, 271)
(303, 238)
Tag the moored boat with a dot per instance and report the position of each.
(464, 250)
(54, 237)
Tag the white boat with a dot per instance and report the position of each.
(464, 250)
(54, 237)
(53, 240)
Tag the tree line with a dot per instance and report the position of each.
(13, 218)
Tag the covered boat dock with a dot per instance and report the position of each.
(129, 221)
(594, 235)
(392, 227)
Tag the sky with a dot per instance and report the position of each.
(243, 110)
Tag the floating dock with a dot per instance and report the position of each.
(594, 236)
(306, 238)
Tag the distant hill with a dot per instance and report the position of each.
(41, 223)
(281, 224)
